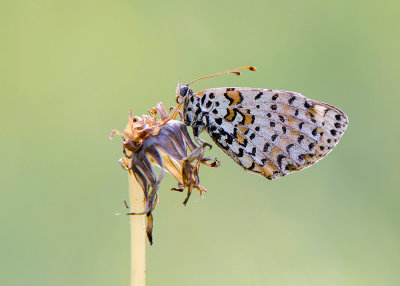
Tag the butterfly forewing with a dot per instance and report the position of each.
(269, 132)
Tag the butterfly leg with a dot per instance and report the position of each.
(196, 131)
(173, 109)
(202, 143)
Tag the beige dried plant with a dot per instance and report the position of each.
(158, 140)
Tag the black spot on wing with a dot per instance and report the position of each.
(290, 101)
(258, 96)
(314, 132)
(279, 160)
(229, 139)
(289, 146)
(228, 98)
(253, 165)
(266, 146)
(307, 104)
(203, 99)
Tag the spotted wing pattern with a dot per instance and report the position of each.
(271, 132)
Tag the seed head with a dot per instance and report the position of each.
(156, 140)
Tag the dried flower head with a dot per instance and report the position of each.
(158, 140)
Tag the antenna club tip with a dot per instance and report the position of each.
(252, 68)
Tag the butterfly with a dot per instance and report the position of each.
(268, 132)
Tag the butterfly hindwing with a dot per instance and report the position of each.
(270, 132)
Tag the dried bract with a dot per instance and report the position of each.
(156, 140)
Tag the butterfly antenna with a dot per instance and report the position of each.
(234, 71)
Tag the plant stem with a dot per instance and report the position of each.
(138, 233)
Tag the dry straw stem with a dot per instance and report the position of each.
(138, 232)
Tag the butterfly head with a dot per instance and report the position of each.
(182, 92)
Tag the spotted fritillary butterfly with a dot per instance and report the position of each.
(268, 132)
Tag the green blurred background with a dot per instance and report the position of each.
(69, 72)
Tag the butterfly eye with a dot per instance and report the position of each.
(184, 90)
